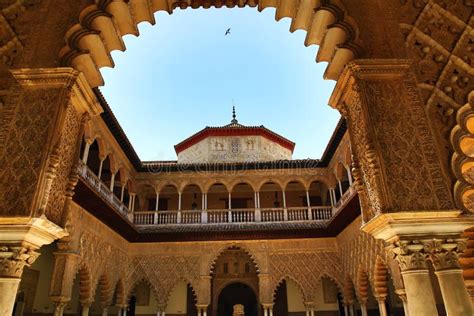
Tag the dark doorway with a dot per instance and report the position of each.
(281, 301)
(237, 293)
(131, 306)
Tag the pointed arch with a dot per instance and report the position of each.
(104, 290)
(85, 283)
(287, 278)
(215, 257)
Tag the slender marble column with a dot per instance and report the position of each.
(416, 278)
(112, 182)
(85, 156)
(382, 307)
(340, 187)
(445, 257)
(363, 309)
(59, 308)
(100, 167)
(403, 297)
(349, 175)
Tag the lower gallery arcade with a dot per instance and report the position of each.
(351, 274)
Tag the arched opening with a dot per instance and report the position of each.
(328, 296)
(125, 198)
(93, 159)
(169, 198)
(191, 198)
(243, 196)
(295, 194)
(271, 195)
(318, 194)
(234, 266)
(181, 300)
(142, 300)
(288, 298)
(218, 197)
(343, 183)
(105, 173)
(234, 294)
(117, 188)
(149, 194)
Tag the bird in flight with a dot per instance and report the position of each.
(227, 32)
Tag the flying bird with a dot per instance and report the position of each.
(227, 32)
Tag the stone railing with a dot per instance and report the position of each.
(291, 214)
(102, 190)
(344, 199)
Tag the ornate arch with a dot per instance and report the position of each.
(462, 160)
(85, 283)
(102, 25)
(119, 293)
(105, 290)
(212, 264)
(289, 278)
(166, 293)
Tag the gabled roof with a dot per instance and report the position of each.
(234, 129)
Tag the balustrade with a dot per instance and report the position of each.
(102, 189)
(291, 214)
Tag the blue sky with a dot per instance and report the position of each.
(182, 74)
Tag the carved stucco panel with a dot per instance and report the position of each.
(25, 150)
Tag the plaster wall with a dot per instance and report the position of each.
(234, 149)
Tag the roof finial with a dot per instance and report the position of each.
(234, 117)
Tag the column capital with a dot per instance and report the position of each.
(402, 294)
(409, 255)
(267, 305)
(444, 253)
(14, 259)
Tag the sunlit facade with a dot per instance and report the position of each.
(380, 224)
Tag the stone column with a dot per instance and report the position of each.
(85, 306)
(201, 309)
(403, 297)
(340, 187)
(62, 279)
(445, 257)
(382, 306)
(411, 260)
(112, 181)
(309, 308)
(19, 240)
(85, 156)
(100, 166)
(267, 309)
(59, 308)
(105, 311)
(349, 175)
(122, 191)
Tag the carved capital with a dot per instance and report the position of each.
(444, 253)
(14, 259)
(409, 255)
(402, 294)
